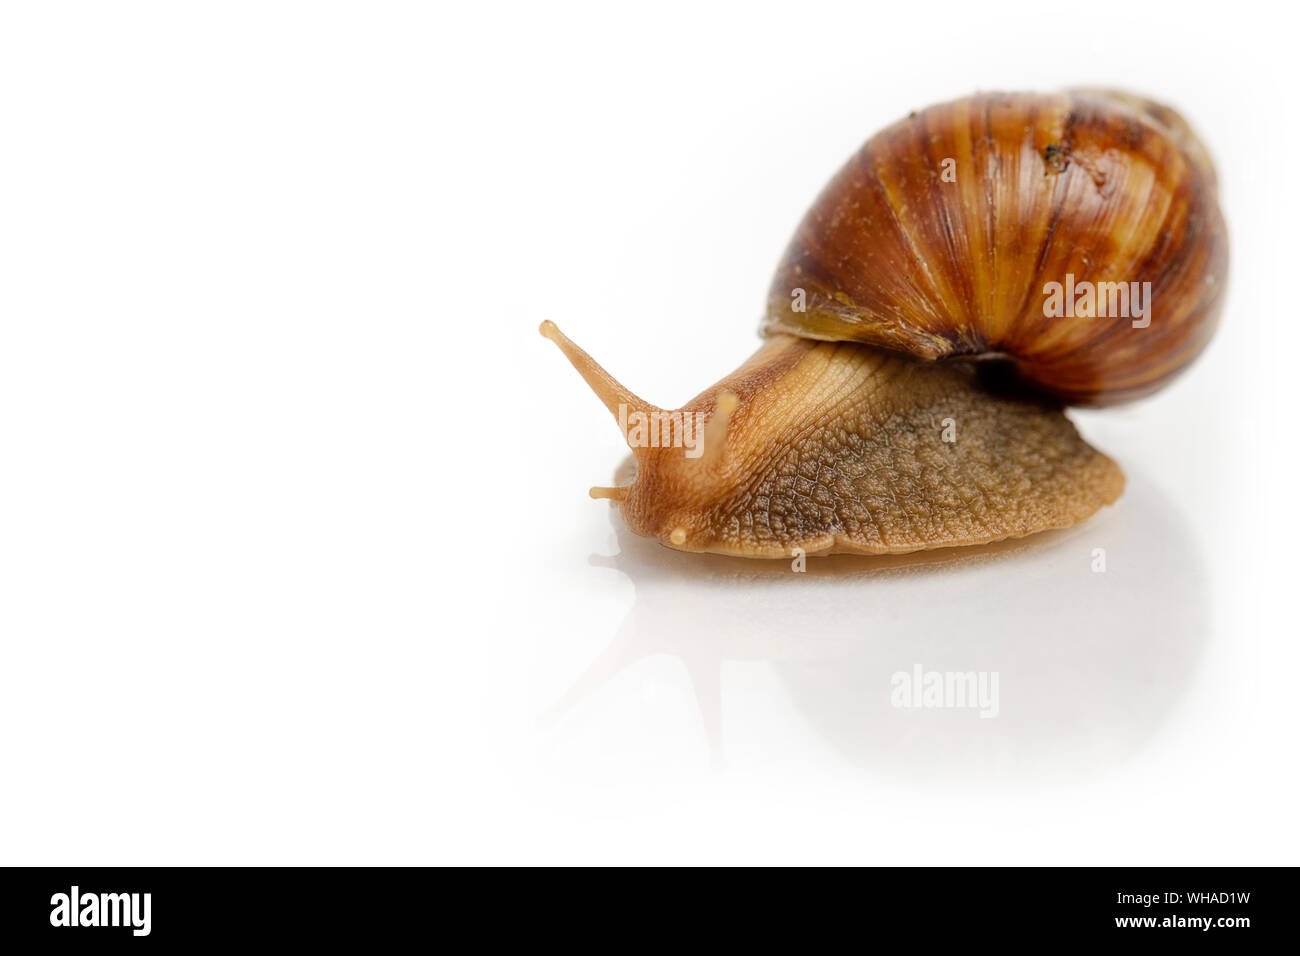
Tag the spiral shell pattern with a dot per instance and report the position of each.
(948, 234)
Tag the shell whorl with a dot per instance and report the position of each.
(941, 234)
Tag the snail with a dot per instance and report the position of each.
(972, 270)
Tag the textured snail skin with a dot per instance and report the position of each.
(839, 448)
(1104, 186)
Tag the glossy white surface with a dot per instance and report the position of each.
(296, 558)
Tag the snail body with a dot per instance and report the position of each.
(950, 245)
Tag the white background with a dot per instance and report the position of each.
(296, 559)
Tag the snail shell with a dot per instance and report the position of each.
(1098, 186)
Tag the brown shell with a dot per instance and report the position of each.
(1100, 186)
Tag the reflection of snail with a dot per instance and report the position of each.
(1090, 665)
(823, 440)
